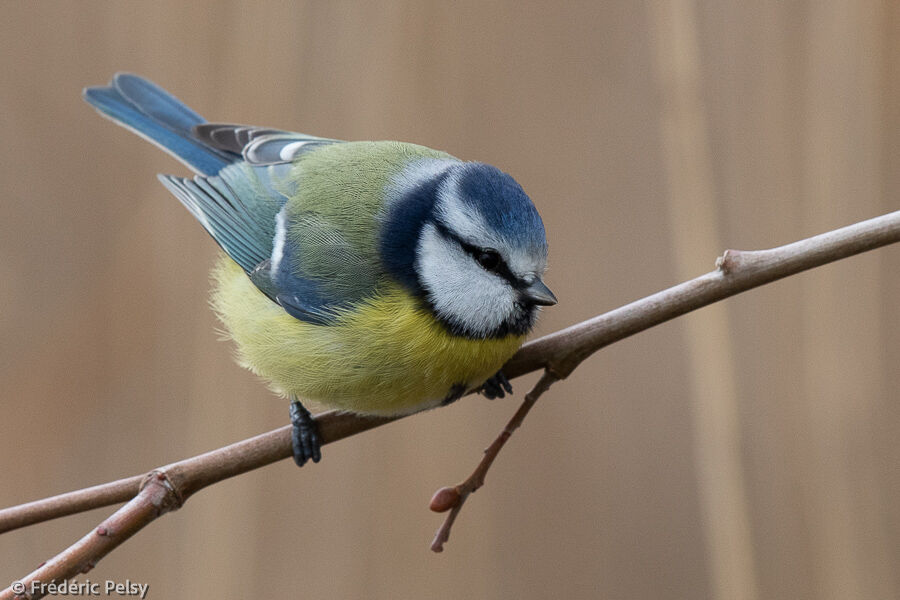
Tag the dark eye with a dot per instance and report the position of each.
(489, 259)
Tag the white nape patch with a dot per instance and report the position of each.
(415, 174)
(460, 290)
(464, 220)
(278, 243)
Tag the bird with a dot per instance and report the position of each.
(373, 277)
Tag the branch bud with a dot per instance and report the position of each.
(444, 499)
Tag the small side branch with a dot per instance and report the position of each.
(70, 503)
(189, 475)
(156, 497)
(453, 498)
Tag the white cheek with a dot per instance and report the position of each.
(461, 291)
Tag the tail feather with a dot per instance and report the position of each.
(236, 201)
(152, 113)
(157, 102)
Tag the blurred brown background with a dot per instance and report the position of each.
(747, 451)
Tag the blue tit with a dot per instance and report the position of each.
(380, 278)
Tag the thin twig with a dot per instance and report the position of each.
(560, 353)
(156, 498)
(191, 474)
(70, 503)
(452, 499)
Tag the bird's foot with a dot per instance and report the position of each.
(305, 435)
(496, 387)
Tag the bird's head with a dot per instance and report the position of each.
(467, 239)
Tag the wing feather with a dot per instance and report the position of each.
(246, 178)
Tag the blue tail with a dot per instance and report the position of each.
(154, 114)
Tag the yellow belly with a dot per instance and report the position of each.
(386, 357)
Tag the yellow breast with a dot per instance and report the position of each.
(387, 356)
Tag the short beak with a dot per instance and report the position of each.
(538, 293)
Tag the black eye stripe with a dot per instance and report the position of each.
(502, 269)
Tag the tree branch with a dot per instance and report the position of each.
(558, 353)
(736, 271)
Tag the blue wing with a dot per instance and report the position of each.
(242, 183)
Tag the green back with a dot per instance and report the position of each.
(334, 217)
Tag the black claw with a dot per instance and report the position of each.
(305, 435)
(496, 387)
(455, 393)
(504, 382)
